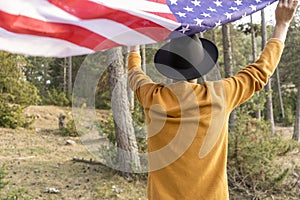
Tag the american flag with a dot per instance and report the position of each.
(60, 28)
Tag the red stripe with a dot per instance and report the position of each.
(159, 1)
(85, 9)
(71, 33)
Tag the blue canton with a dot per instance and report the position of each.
(201, 15)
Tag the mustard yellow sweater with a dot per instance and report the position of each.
(187, 127)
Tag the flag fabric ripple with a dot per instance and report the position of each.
(60, 28)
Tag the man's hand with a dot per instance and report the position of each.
(285, 11)
(284, 14)
(134, 49)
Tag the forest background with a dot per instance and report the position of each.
(261, 159)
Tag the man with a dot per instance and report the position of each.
(187, 122)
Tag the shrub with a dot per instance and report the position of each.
(108, 129)
(11, 116)
(2, 176)
(17, 91)
(70, 129)
(56, 98)
(253, 169)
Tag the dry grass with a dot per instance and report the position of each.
(37, 159)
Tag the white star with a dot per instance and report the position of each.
(258, 1)
(228, 15)
(253, 7)
(187, 8)
(173, 2)
(196, 3)
(205, 15)
(238, 2)
(218, 3)
(198, 21)
(218, 23)
(233, 8)
(184, 29)
(180, 14)
(212, 9)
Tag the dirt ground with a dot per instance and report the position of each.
(39, 164)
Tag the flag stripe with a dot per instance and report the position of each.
(68, 32)
(90, 10)
(141, 5)
(39, 46)
(80, 35)
(108, 27)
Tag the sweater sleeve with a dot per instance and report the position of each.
(139, 82)
(254, 77)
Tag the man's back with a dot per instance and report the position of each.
(187, 127)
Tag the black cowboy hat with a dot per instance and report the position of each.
(186, 58)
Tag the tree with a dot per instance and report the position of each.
(268, 88)
(254, 53)
(70, 82)
(128, 158)
(296, 135)
(14, 87)
(15, 91)
(227, 50)
(288, 69)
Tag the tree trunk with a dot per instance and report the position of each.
(254, 53)
(268, 88)
(279, 93)
(143, 49)
(70, 76)
(65, 75)
(128, 158)
(296, 135)
(130, 93)
(227, 49)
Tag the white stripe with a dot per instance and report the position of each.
(115, 31)
(45, 11)
(39, 46)
(141, 8)
(144, 5)
(38, 9)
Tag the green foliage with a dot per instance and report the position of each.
(248, 27)
(56, 98)
(15, 91)
(18, 194)
(255, 103)
(14, 88)
(11, 116)
(139, 125)
(289, 97)
(102, 99)
(108, 129)
(2, 176)
(70, 129)
(18, 91)
(252, 156)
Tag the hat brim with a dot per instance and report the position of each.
(188, 71)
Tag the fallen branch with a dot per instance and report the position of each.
(88, 161)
